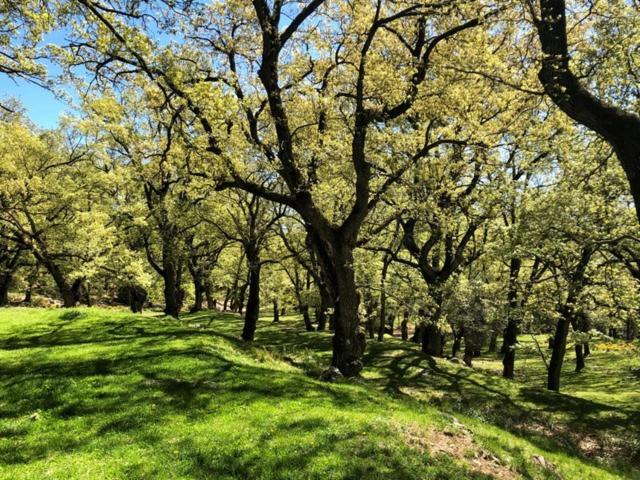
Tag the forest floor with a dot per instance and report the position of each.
(103, 394)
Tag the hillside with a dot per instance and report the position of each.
(97, 394)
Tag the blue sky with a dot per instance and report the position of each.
(41, 105)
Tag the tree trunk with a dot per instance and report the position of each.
(404, 326)
(468, 355)
(171, 276)
(383, 297)
(198, 289)
(276, 311)
(5, 281)
(432, 340)
(253, 302)
(348, 341)
(557, 355)
(208, 292)
(226, 300)
(579, 357)
(304, 309)
(457, 341)
(68, 297)
(28, 294)
(493, 341)
(621, 129)
(511, 331)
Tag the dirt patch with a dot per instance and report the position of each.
(456, 442)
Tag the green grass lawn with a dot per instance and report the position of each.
(101, 394)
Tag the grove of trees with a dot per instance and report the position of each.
(453, 172)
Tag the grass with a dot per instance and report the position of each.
(102, 394)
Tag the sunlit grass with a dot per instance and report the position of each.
(100, 393)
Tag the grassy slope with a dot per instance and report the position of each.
(122, 396)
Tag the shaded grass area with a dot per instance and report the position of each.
(97, 393)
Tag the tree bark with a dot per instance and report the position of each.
(457, 341)
(276, 311)
(404, 326)
(568, 318)
(619, 128)
(5, 280)
(579, 357)
(208, 292)
(383, 297)
(304, 309)
(511, 330)
(253, 302)
(348, 341)
(432, 338)
(171, 275)
(198, 289)
(557, 355)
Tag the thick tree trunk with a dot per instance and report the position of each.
(198, 289)
(5, 281)
(68, 297)
(432, 338)
(253, 302)
(348, 341)
(432, 343)
(171, 275)
(619, 128)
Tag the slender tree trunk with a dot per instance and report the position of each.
(511, 331)
(404, 326)
(568, 318)
(242, 294)
(226, 299)
(579, 357)
(557, 355)
(468, 355)
(457, 341)
(493, 341)
(383, 297)
(253, 302)
(28, 295)
(276, 311)
(208, 292)
(325, 305)
(304, 310)
(198, 288)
